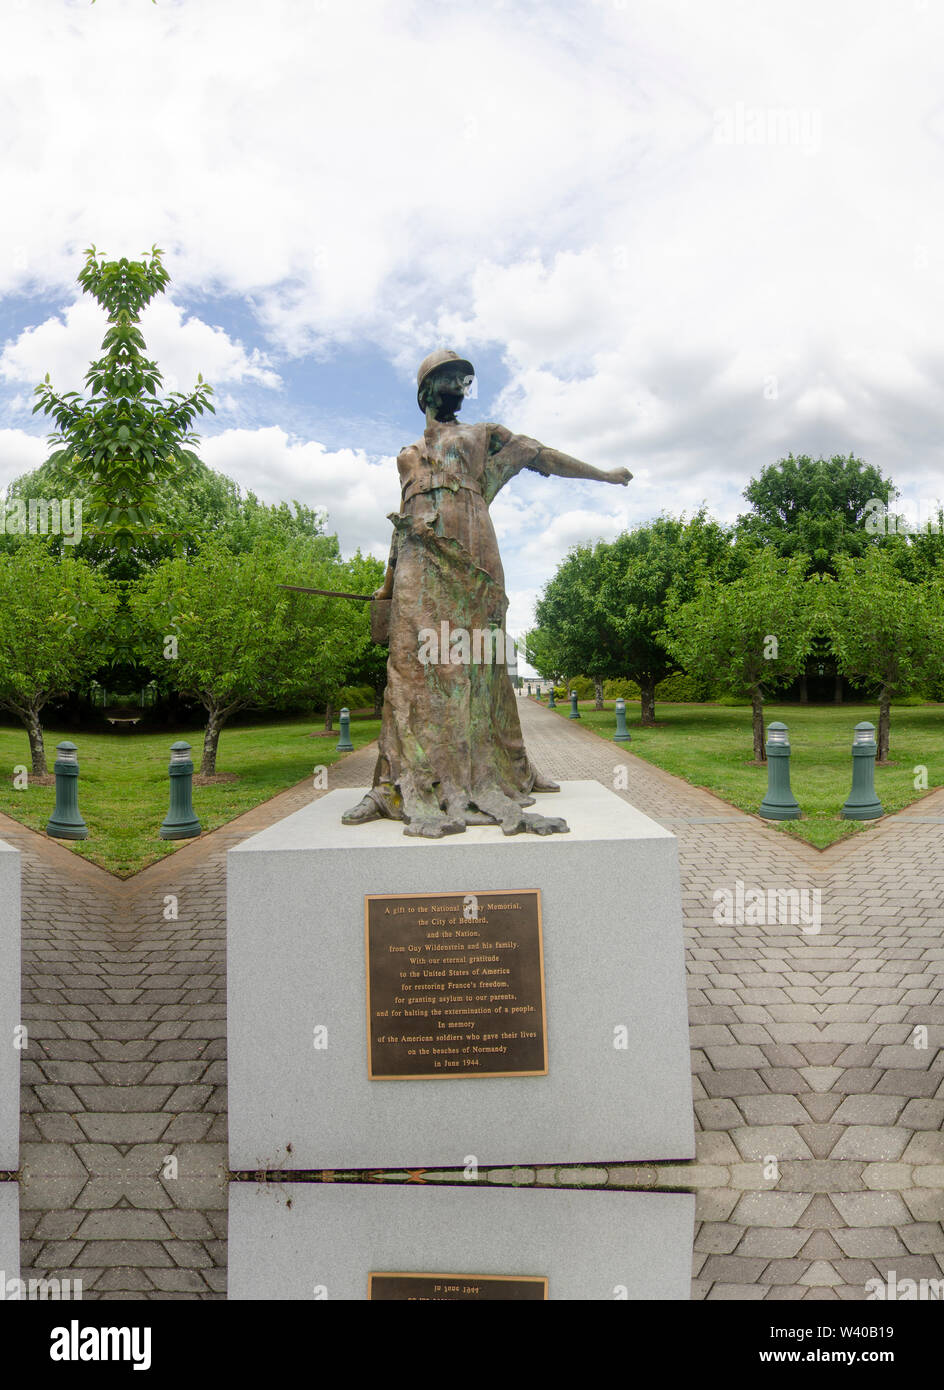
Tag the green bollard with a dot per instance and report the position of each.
(181, 822)
(574, 711)
(66, 822)
(622, 734)
(862, 802)
(344, 744)
(550, 699)
(779, 803)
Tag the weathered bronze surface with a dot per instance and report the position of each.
(467, 1288)
(455, 986)
(451, 752)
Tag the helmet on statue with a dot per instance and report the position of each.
(440, 358)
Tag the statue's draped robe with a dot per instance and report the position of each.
(451, 739)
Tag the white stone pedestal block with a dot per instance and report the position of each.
(9, 1007)
(9, 1230)
(618, 1085)
(588, 1245)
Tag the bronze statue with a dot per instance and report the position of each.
(451, 751)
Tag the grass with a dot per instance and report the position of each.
(711, 746)
(124, 788)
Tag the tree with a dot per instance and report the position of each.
(370, 668)
(605, 608)
(119, 445)
(818, 507)
(885, 630)
(540, 652)
(55, 631)
(229, 636)
(750, 636)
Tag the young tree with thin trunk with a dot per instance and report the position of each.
(748, 637)
(886, 630)
(231, 638)
(56, 617)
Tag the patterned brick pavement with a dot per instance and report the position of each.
(820, 1147)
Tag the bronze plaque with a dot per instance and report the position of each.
(466, 1288)
(455, 985)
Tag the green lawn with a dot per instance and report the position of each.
(124, 786)
(711, 746)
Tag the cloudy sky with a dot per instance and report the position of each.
(684, 236)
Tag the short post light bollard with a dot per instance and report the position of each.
(779, 803)
(66, 822)
(574, 711)
(862, 802)
(180, 823)
(550, 699)
(622, 734)
(344, 744)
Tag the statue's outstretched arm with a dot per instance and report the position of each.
(563, 466)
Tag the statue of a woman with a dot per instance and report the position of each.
(451, 752)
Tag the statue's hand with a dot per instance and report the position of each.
(383, 592)
(620, 475)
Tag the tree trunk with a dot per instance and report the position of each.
(37, 747)
(329, 718)
(804, 690)
(884, 720)
(598, 694)
(837, 691)
(378, 701)
(211, 739)
(757, 717)
(647, 701)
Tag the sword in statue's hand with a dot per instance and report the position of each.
(379, 614)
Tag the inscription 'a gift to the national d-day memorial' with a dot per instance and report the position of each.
(455, 985)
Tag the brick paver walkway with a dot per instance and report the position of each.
(820, 1147)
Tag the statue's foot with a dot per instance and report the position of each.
(365, 810)
(544, 784)
(534, 825)
(434, 828)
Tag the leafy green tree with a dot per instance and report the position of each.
(120, 444)
(370, 667)
(56, 619)
(749, 636)
(817, 507)
(231, 638)
(885, 630)
(605, 608)
(541, 653)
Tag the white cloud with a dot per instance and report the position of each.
(20, 453)
(64, 346)
(543, 182)
(356, 491)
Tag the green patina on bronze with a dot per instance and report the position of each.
(451, 752)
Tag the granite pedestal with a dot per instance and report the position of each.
(9, 1008)
(9, 1231)
(588, 1245)
(618, 1085)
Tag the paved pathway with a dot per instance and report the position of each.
(820, 1148)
